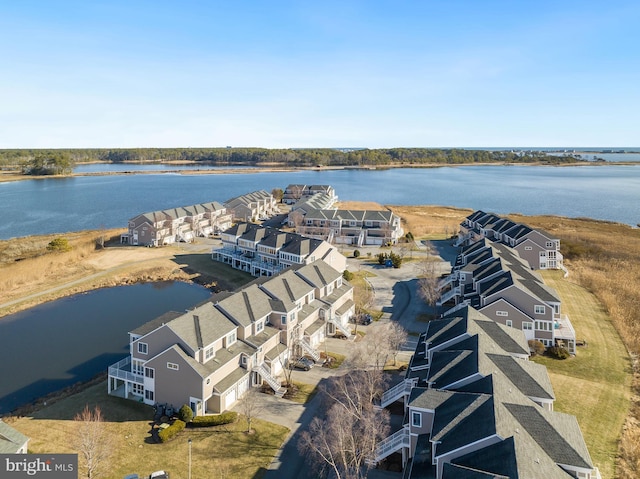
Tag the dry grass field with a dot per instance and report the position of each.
(228, 450)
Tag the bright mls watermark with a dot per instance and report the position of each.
(50, 466)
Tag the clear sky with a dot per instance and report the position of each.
(322, 73)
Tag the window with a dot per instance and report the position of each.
(149, 372)
(502, 313)
(259, 326)
(173, 366)
(527, 326)
(538, 309)
(528, 248)
(137, 366)
(231, 339)
(550, 244)
(509, 323)
(416, 419)
(243, 360)
(208, 353)
(148, 395)
(137, 389)
(143, 348)
(283, 319)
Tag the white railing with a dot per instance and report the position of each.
(448, 280)
(462, 239)
(396, 392)
(448, 295)
(456, 307)
(342, 328)
(309, 350)
(393, 443)
(271, 381)
(117, 371)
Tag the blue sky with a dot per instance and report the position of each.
(282, 74)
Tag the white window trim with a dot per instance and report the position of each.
(416, 415)
(140, 348)
(539, 309)
(173, 366)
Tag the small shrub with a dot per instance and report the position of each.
(59, 245)
(382, 258)
(171, 431)
(558, 352)
(356, 253)
(347, 275)
(185, 413)
(536, 346)
(218, 420)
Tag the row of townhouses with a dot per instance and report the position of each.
(265, 251)
(494, 279)
(296, 193)
(351, 227)
(208, 357)
(169, 226)
(254, 206)
(538, 248)
(475, 407)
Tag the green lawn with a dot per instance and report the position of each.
(228, 450)
(595, 385)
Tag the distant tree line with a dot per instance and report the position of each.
(47, 161)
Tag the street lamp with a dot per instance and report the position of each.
(189, 457)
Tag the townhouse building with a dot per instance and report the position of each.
(319, 201)
(476, 407)
(265, 251)
(252, 206)
(491, 277)
(209, 356)
(294, 193)
(540, 249)
(352, 227)
(159, 228)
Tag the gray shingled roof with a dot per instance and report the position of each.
(11, 440)
(201, 326)
(557, 434)
(247, 305)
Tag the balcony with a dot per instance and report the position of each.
(122, 370)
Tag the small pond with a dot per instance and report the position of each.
(60, 343)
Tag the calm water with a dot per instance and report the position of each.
(609, 192)
(62, 342)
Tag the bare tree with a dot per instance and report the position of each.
(92, 441)
(428, 282)
(396, 337)
(251, 406)
(347, 436)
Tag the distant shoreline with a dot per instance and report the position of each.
(7, 176)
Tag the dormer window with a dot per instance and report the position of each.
(231, 338)
(259, 326)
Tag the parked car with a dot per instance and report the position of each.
(159, 475)
(301, 363)
(364, 319)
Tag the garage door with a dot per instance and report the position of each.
(229, 399)
(243, 386)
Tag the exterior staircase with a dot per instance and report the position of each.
(344, 330)
(309, 350)
(396, 392)
(270, 380)
(391, 444)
